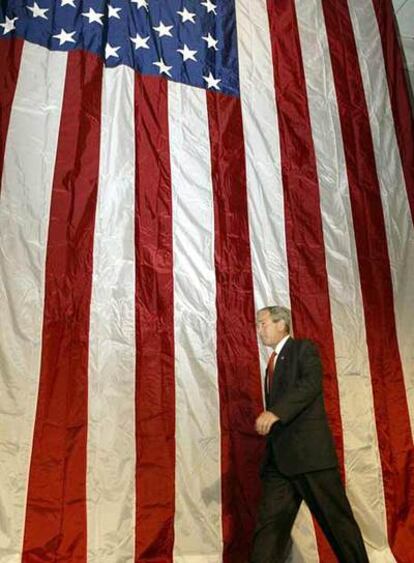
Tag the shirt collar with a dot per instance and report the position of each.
(280, 344)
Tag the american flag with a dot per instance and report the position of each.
(167, 167)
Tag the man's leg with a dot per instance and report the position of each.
(324, 493)
(278, 508)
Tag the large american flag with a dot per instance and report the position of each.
(167, 167)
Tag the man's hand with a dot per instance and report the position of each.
(264, 422)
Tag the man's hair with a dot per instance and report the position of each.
(278, 313)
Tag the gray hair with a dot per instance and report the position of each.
(279, 313)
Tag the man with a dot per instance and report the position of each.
(300, 461)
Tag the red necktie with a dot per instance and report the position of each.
(270, 371)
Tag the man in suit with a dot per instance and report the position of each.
(300, 461)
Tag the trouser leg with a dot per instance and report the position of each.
(325, 495)
(277, 512)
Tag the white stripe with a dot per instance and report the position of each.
(395, 205)
(263, 161)
(111, 424)
(24, 219)
(198, 528)
(265, 187)
(362, 461)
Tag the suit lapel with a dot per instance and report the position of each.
(284, 355)
(281, 368)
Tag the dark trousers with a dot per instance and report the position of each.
(325, 496)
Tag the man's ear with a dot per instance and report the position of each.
(281, 325)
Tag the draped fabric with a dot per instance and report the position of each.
(148, 207)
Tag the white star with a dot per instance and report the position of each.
(187, 53)
(163, 67)
(93, 16)
(113, 12)
(163, 30)
(37, 11)
(65, 37)
(211, 42)
(140, 42)
(141, 4)
(187, 16)
(68, 3)
(9, 25)
(111, 51)
(209, 6)
(212, 82)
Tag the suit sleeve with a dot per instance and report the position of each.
(305, 389)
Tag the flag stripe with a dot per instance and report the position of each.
(362, 465)
(305, 243)
(155, 398)
(11, 52)
(390, 401)
(237, 353)
(262, 150)
(396, 207)
(265, 190)
(56, 503)
(24, 218)
(111, 376)
(198, 473)
(398, 91)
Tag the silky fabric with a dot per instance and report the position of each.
(270, 371)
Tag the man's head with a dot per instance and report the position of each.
(273, 323)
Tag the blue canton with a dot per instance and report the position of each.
(189, 41)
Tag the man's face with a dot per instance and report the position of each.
(270, 332)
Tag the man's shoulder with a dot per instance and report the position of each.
(301, 345)
(302, 342)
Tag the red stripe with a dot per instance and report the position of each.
(398, 89)
(304, 235)
(391, 410)
(56, 506)
(237, 354)
(155, 397)
(10, 56)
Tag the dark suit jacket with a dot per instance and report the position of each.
(301, 441)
